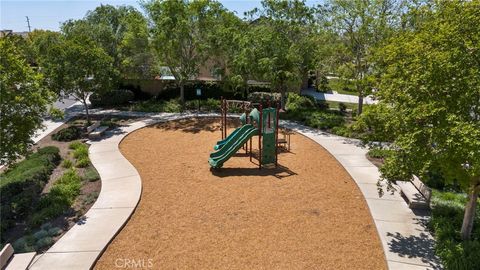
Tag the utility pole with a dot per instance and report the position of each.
(28, 23)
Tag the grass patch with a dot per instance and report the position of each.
(446, 222)
(67, 163)
(342, 86)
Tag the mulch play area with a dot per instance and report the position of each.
(305, 214)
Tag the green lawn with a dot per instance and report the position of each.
(342, 86)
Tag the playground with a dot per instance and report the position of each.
(304, 213)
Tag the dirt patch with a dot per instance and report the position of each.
(306, 214)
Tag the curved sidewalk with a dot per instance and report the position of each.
(406, 242)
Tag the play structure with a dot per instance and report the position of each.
(261, 122)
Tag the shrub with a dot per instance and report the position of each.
(342, 107)
(40, 234)
(91, 175)
(205, 105)
(59, 199)
(67, 163)
(324, 120)
(446, 221)
(264, 97)
(68, 134)
(55, 231)
(296, 102)
(45, 241)
(111, 98)
(82, 162)
(109, 123)
(374, 124)
(153, 105)
(24, 244)
(342, 131)
(379, 153)
(80, 152)
(22, 183)
(75, 145)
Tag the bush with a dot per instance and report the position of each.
(91, 175)
(80, 152)
(24, 244)
(446, 221)
(264, 97)
(59, 199)
(75, 145)
(55, 231)
(296, 102)
(209, 105)
(82, 162)
(40, 234)
(342, 107)
(21, 185)
(68, 134)
(153, 105)
(111, 98)
(342, 131)
(379, 153)
(67, 163)
(324, 120)
(44, 242)
(374, 124)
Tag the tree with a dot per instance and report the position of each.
(122, 33)
(431, 80)
(78, 67)
(362, 25)
(23, 102)
(283, 43)
(180, 32)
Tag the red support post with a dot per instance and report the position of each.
(276, 136)
(260, 138)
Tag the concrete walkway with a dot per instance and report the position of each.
(406, 242)
(337, 97)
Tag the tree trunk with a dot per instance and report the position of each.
(469, 215)
(182, 95)
(282, 97)
(84, 101)
(360, 103)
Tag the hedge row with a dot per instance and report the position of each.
(21, 185)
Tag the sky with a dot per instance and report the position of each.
(49, 15)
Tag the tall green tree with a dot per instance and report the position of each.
(23, 102)
(362, 25)
(431, 81)
(122, 33)
(181, 31)
(77, 66)
(284, 45)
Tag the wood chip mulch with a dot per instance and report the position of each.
(306, 214)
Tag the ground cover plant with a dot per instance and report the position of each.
(21, 184)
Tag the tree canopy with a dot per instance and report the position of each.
(24, 101)
(430, 79)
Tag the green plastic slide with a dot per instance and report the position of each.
(231, 146)
(221, 143)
